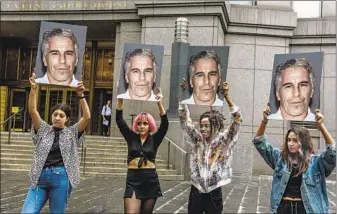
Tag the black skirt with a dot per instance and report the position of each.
(144, 182)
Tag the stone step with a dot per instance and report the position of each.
(89, 163)
(89, 154)
(27, 136)
(90, 146)
(90, 151)
(123, 175)
(110, 154)
(92, 158)
(112, 174)
(86, 142)
(10, 166)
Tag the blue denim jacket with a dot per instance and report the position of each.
(313, 188)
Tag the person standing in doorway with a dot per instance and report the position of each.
(106, 114)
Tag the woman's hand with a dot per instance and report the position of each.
(260, 131)
(266, 112)
(183, 84)
(32, 81)
(159, 95)
(225, 88)
(80, 89)
(319, 118)
(119, 104)
(183, 111)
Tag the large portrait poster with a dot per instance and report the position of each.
(295, 87)
(205, 73)
(140, 72)
(60, 53)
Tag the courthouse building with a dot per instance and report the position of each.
(254, 31)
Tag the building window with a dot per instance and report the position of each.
(307, 9)
(87, 63)
(25, 63)
(105, 64)
(12, 63)
(34, 55)
(242, 2)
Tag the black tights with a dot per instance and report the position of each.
(139, 206)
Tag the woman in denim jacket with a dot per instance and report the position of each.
(299, 174)
(55, 165)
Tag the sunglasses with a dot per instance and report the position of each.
(144, 123)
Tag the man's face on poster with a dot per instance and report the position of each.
(140, 77)
(294, 93)
(205, 81)
(60, 60)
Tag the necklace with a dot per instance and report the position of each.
(295, 166)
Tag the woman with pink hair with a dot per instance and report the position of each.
(142, 184)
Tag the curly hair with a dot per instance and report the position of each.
(216, 120)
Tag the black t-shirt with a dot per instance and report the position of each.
(54, 156)
(147, 150)
(294, 184)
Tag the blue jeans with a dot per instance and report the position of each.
(53, 185)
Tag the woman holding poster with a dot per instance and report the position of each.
(299, 184)
(143, 140)
(55, 168)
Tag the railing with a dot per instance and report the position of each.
(182, 160)
(9, 119)
(83, 156)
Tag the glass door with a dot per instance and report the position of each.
(48, 98)
(74, 103)
(18, 102)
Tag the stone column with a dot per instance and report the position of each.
(178, 68)
(126, 32)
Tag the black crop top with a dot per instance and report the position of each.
(293, 188)
(148, 150)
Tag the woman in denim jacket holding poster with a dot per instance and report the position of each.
(299, 174)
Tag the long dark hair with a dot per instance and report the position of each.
(305, 151)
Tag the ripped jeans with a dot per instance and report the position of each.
(53, 185)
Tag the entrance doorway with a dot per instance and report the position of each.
(18, 105)
(49, 96)
(101, 96)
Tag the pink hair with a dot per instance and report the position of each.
(145, 116)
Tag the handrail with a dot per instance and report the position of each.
(83, 156)
(13, 115)
(10, 124)
(169, 154)
(178, 147)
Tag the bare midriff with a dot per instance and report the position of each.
(145, 165)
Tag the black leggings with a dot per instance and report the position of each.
(291, 207)
(210, 203)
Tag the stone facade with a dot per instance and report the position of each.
(254, 33)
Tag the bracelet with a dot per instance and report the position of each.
(82, 97)
(265, 122)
